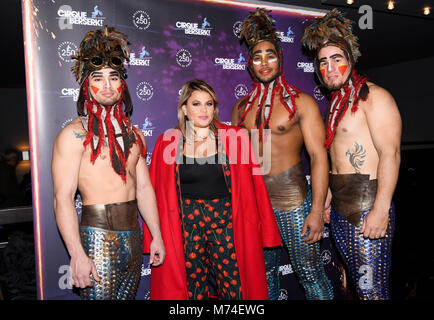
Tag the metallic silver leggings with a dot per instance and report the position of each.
(305, 258)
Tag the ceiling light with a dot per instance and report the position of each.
(426, 11)
(390, 5)
(350, 1)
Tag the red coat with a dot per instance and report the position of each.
(254, 223)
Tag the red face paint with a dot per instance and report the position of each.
(342, 68)
(322, 70)
(119, 89)
(94, 89)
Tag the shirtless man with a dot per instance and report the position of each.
(364, 147)
(294, 119)
(110, 173)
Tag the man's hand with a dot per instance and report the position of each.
(315, 223)
(157, 252)
(81, 269)
(375, 224)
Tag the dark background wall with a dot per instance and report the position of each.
(412, 85)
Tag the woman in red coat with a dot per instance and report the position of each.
(215, 213)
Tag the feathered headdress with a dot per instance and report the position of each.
(99, 49)
(334, 29)
(258, 27)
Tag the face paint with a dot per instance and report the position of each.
(94, 89)
(322, 69)
(263, 59)
(107, 82)
(119, 88)
(342, 68)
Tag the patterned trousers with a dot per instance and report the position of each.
(368, 261)
(209, 246)
(118, 259)
(305, 258)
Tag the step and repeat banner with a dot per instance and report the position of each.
(172, 42)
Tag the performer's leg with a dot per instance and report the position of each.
(368, 261)
(103, 248)
(130, 264)
(305, 258)
(272, 263)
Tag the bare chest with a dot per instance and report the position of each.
(279, 123)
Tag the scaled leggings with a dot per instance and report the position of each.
(368, 261)
(209, 243)
(118, 259)
(305, 258)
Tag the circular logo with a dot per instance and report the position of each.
(326, 257)
(141, 20)
(241, 90)
(78, 204)
(66, 122)
(283, 294)
(183, 58)
(144, 91)
(317, 93)
(236, 28)
(65, 50)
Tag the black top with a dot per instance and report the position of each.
(202, 178)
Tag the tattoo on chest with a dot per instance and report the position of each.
(357, 158)
(79, 135)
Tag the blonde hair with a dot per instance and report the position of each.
(186, 92)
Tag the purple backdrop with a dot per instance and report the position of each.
(172, 42)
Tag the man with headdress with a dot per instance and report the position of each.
(103, 155)
(363, 139)
(294, 119)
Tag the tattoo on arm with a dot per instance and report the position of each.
(357, 158)
(79, 135)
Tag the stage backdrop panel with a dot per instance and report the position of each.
(172, 42)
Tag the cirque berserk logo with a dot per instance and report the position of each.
(231, 64)
(70, 93)
(142, 59)
(287, 37)
(141, 20)
(193, 27)
(305, 66)
(68, 17)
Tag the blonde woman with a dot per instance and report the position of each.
(215, 215)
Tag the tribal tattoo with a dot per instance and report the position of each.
(357, 158)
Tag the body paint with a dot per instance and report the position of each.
(342, 68)
(94, 89)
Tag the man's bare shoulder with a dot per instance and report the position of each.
(378, 97)
(306, 103)
(73, 133)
